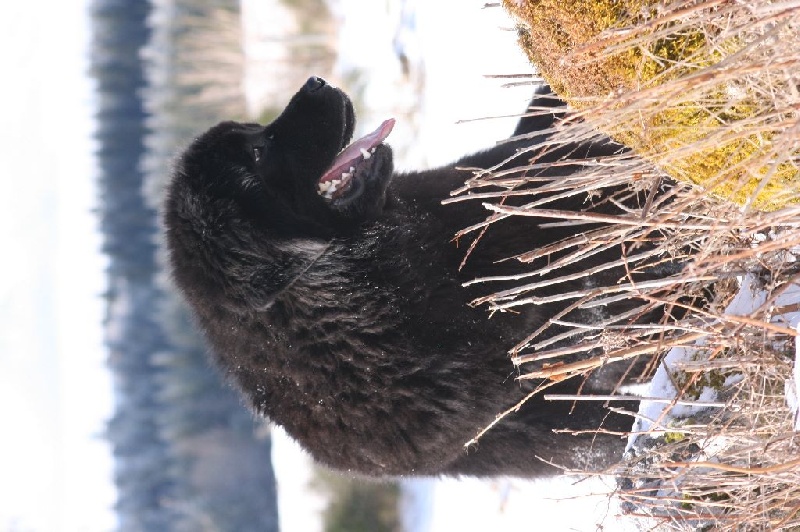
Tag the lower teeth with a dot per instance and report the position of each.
(329, 188)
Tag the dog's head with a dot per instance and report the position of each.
(298, 175)
(249, 204)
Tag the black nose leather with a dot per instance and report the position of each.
(314, 84)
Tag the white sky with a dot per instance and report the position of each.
(55, 469)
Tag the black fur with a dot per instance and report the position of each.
(345, 321)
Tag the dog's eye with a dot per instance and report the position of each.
(258, 146)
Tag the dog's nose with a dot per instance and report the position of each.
(314, 84)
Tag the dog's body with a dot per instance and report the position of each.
(340, 312)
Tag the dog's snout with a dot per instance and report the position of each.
(314, 83)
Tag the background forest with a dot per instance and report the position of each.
(188, 456)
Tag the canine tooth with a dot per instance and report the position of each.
(346, 175)
(327, 188)
(365, 154)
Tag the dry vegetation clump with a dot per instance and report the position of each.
(708, 93)
(734, 459)
(733, 463)
(706, 90)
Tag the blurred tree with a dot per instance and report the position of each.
(188, 456)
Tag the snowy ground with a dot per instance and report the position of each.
(748, 299)
(444, 505)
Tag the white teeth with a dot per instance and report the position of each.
(328, 188)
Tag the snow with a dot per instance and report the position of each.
(558, 504)
(750, 297)
(55, 391)
(299, 506)
(443, 505)
(264, 22)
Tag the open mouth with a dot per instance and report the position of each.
(352, 160)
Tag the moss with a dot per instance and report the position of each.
(674, 437)
(554, 27)
(687, 122)
(713, 379)
(690, 500)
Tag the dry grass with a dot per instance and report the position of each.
(734, 465)
(708, 90)
(756, 484)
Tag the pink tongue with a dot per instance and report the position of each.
(349, 155)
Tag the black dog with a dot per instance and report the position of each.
(331, 294)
